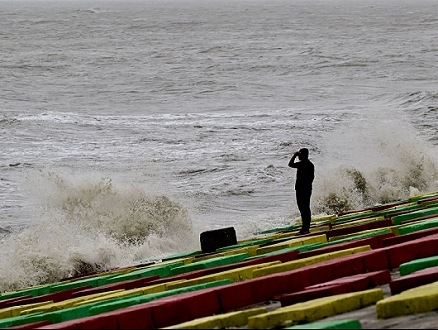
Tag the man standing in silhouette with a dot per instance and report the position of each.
(303, 186)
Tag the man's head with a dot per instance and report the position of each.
(304, 153)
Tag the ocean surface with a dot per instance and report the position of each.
(129, 127)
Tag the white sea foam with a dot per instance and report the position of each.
(93, 221)
(375, 160)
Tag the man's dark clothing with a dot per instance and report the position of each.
(305, 174)
(303, 190)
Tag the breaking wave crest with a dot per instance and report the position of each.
(87, 225)
(394, 165)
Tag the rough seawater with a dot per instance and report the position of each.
(129, 127)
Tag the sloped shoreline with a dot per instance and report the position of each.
(347, 269)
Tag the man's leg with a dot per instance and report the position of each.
(303, 201)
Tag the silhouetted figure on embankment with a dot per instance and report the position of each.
(303, 186)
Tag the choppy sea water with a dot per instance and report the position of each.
(129, 127)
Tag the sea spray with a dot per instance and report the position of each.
(84, 224)
(373, 162)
